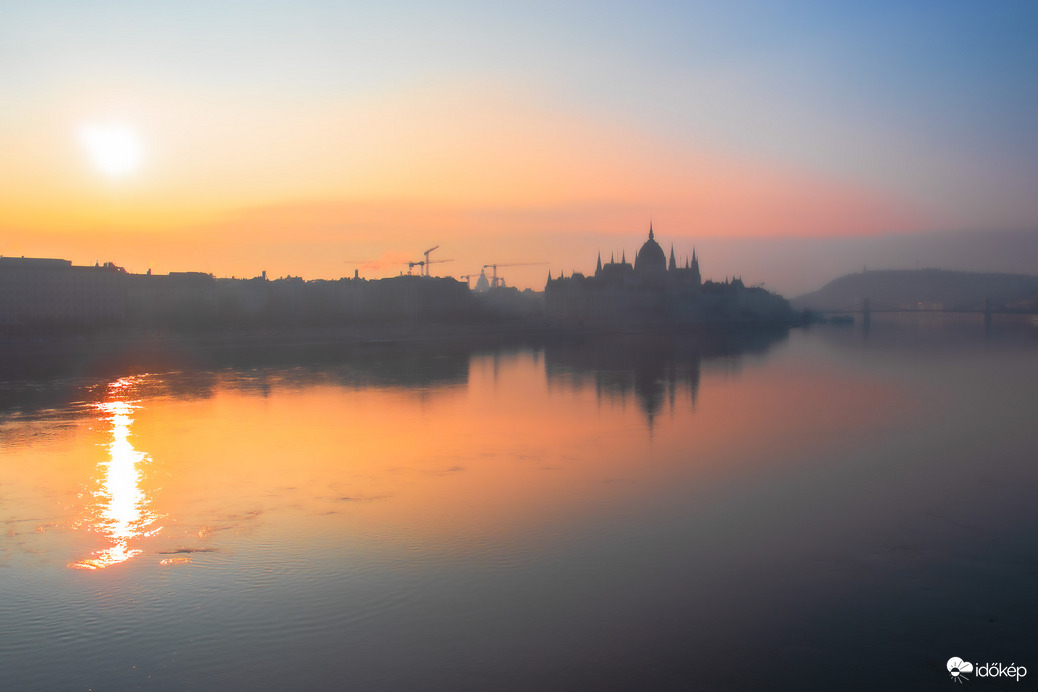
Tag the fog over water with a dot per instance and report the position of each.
(826, 508)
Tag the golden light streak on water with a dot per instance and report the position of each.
(121, 510)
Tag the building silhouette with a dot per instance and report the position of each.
(482, 283)
(39, 294)
(655, 290)
(37, 291)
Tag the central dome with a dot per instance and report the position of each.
(650, 259)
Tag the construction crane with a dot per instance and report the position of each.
(427, 262)
(494, 280)
(424, 265)
(467, 277)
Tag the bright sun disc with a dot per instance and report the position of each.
(114, 149)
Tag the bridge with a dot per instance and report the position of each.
(867, 308)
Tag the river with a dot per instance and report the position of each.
(824, 509)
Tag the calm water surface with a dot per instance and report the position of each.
(828, 510)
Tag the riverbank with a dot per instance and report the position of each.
(118, 353)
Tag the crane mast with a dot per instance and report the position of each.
(426, 253)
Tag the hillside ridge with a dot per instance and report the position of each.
(929, 288)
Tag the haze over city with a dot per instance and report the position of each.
(789, 142)
(518, 346)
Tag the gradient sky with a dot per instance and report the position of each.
(313, 138)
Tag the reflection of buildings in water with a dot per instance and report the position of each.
(388, 365)
(652, 368)
(121, 511)
(379, 365)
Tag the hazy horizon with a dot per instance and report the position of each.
(788, 266)
(789, 143)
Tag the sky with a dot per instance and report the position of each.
(788, 142)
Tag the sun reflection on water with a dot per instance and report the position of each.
(120, 511)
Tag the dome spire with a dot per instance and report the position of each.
(650, 259)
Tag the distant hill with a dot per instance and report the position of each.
(929, 288)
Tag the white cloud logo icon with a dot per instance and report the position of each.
(956, 666)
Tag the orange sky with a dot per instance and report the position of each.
(297, 143)
(488, 179)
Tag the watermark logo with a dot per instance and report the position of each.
(958, 668)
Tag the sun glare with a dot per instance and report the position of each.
(115, 149)
(121, 512)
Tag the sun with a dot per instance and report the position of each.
(114, 148)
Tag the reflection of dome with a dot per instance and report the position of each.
(650, 259)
